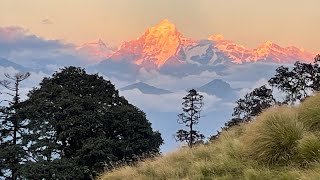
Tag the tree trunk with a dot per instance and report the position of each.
(191, 123)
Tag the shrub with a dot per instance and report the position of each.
(273, 138)
(309, 149)
(309, 113)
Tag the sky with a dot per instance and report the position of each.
(248, 22)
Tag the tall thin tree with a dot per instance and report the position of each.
(192, 106)
(11, 127)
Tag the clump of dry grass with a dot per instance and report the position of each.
(273, 138)
(309, 113)
(309, 149)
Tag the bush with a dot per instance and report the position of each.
(309, 113)
(273, 138)
(309, 149)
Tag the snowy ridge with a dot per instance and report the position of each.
(163, 44)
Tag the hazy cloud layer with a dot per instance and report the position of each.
(16, 38)
(166, 102)
(175, 83)
(20, 46)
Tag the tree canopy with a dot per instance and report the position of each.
(79, 120)
(299, 82)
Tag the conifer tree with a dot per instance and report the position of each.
(12, 128)
(192, 106)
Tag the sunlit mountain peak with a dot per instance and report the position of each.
(216, 37)
(96, 49)
(267, 44)
(163, 44)
(165, 27)
(165, 22)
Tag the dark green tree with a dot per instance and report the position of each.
(192, 106)
(299, 82)
(252, 104)
(79, 120)
(12, 127)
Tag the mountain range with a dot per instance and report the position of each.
(217, 87)
(220, 89)
(96, 50)
(145, 88)
(6, 63)
(163, 45)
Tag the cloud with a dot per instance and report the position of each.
(250, 71)
(46, 21)
(173, 83)
(166, 102)
(249, 76)
(252, 86)
(25, 86)
(238, 76)
(9, 70)
(17, 38)
(21, 47)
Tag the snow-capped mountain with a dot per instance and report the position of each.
(145, 88)
(157, 46)
(164, 46)
(95, 50)
(268, 51)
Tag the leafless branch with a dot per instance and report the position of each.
(6, 84)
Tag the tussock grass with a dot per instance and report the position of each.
(282, 143)
(309, 113)
(309, 149)
(273, 138)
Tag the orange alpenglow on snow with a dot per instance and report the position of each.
(160, 42)
(164, 44)
(268, 49)
(231, 49)
(155, 47)
(216, 37)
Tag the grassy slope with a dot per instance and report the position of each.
(283, 143)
